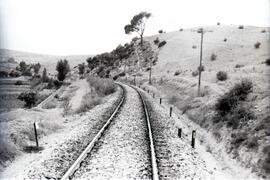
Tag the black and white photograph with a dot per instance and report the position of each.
(135, 89)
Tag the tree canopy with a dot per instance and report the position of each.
(137, 24)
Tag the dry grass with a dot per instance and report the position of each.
(89, 101)
(102, 86)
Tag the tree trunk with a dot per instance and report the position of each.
(141, 40)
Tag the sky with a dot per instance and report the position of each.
(73, 27)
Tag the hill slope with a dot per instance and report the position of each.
(238, 57)
(48, 61)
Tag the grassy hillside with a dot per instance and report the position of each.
(233, 51)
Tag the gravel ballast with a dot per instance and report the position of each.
(176, 159)
(123, 150)
(62, 148)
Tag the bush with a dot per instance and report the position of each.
(102, 86)
(177, 72)
(156, 41)
(263, 31)
(201, 68)
(148, 69)
(162, 43)
(213, 57)
(257, 45)
(181, 29)
(231, 99)
(195, 73)
(45, 77)
(225, 40)
(218, 23)
(3, 74)
(238, 139)
(194, 47)
(18, 82)
(122, 74)
(14, 73)
(29, 97)
(267, 62)
(239, 65)
(57, 84)
(241, 27)
(222, 76)
(160, 31)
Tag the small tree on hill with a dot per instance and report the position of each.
(23, 67)
(81, 68)
(62, 68)
(36, 68)
(137, 24)
(44, 77)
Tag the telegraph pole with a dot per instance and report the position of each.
(150, 72)
(200, 67)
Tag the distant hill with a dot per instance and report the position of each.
(48, 61)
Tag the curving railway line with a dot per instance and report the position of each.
(124, 146)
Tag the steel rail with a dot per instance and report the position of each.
(89, 147)
(152, 147)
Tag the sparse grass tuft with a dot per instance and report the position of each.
(222, 76)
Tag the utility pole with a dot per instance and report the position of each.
(200, 67)
(150, 72)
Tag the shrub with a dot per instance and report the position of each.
(239, 65)
(194, 47)
(238, 139)
(122, 74)
(195, 73)
(3, 74)
(263, 31)
(218, 23)
(29, 97)
(181, 29)
(267, 62)
(177, 72)
(160, 31)
(14, 73)
(57, 84)
(18, 82)
(222, 76)
(213, 57)
(230, 108)
(252, 142)
(62, 68)
(231, 99)
(102, 86)
(257, 45)
(148, 69)
(225, 40)
(162, 43)
(241, 27)
(201, 68)
(156, 41)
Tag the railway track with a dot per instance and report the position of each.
(141, 141)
